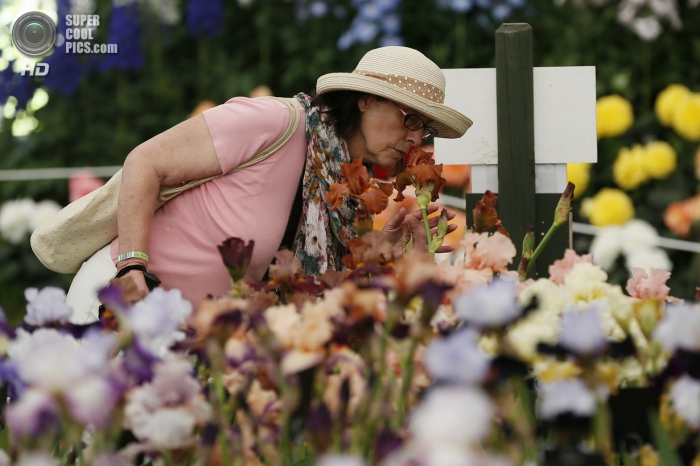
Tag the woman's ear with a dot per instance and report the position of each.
(364, 102)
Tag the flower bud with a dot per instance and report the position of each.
(561, 214)
(528, 246)
(442, 223)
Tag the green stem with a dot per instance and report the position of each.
(376, 391)
(540, 247)
(408, 368)
(286, 424)
(424, 211)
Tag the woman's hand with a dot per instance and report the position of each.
(135, 275)
(393, 230)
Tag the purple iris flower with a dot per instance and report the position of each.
(494, 305)
(124, 30)
(457, 358)
(33, 414)
(46, 306)
(65, 70)
(205, 17)
(138, 362)
(9, 375)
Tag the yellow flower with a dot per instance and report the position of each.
(609, 375)
(558, 371)
(660, 159)
(668, 100)
(610, 207)
(614, 115)
(579, 174)
(647, 456)
(629, 169)
(686, 118)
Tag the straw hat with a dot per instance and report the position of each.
(405, 76)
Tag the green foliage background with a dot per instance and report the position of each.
(112, 113)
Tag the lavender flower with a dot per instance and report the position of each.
(46, 306)
(460, 6)
(95, 348)
(318, 9)
(568, 396)
(166, 411)
(581, 332)
(499, 11)
(679, 329)
(91, 400)
(124, 31)
(47, 359)
(494, 305)
(374, 18)
(34, 413)
(205, 17)
(155, 319)
(457, 358)
(685, 397)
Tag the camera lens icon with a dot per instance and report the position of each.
(34, 33)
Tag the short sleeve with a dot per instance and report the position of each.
(242, 127)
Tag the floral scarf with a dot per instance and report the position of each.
(324, 233)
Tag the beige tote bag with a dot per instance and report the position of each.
(86, 225)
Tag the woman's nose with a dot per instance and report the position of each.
(415, 137)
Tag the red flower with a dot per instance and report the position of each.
(422, 171)
(485, 215)
(357, 182)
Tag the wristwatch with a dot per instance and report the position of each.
(152, 280)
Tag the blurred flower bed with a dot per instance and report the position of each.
(398, 361)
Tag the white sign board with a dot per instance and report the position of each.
(565, 117)
(549, 178)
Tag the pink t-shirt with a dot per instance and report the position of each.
(253, 203)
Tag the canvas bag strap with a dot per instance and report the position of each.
(170, 192)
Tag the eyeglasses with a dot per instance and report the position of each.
(414, 123)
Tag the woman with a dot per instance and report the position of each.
(378, 112)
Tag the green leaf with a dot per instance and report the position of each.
(667, 455)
